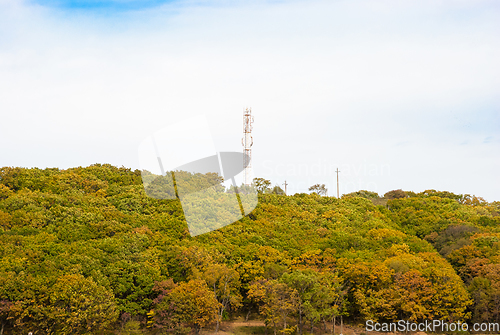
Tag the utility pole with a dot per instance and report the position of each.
(285, 186)
(338, 195)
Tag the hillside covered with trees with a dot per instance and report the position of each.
(86, 251)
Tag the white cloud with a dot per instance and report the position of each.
(356, 83)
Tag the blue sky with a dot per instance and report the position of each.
(396, 94)
(96, 5)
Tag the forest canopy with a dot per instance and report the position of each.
(86, 251)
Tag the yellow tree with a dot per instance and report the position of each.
(370, 288)
(75, 305)
(418, 293)
(451, 299)
(277, 301)
(225, 283)
(191, 304)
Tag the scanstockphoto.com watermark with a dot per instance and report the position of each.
(430, 326)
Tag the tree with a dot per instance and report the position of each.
(277, 190)
(194, 260)
(5, 311)
(185, 304)
(305, 283)
(225, 283)
(261, 184)
(98, 226)
(369, 284)
(332, 300)
(319, 189)
(395, 194)
(418, 293)
(320, 296)
(492, 273)
(480, 291)
(5, 219)
(74, 305)
(277, 300)
(363, 194)
(164, 315)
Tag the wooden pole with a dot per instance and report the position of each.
(338, 193)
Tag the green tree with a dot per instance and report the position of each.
(363, 194)
(319, 189)
(277, 190)
(480, 291)
(305, 283)
(261, 184)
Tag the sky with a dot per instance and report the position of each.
(395, 94)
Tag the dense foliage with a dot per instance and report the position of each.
(85, 251)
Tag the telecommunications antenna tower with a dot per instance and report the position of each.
(247, 142)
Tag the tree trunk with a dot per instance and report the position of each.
(312, 326)
(333, 326)
(300, 322)
(219, 319)
(248, 314)
(1, 330)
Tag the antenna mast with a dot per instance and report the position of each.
(247, 142)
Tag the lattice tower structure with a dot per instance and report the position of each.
(247, 142)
